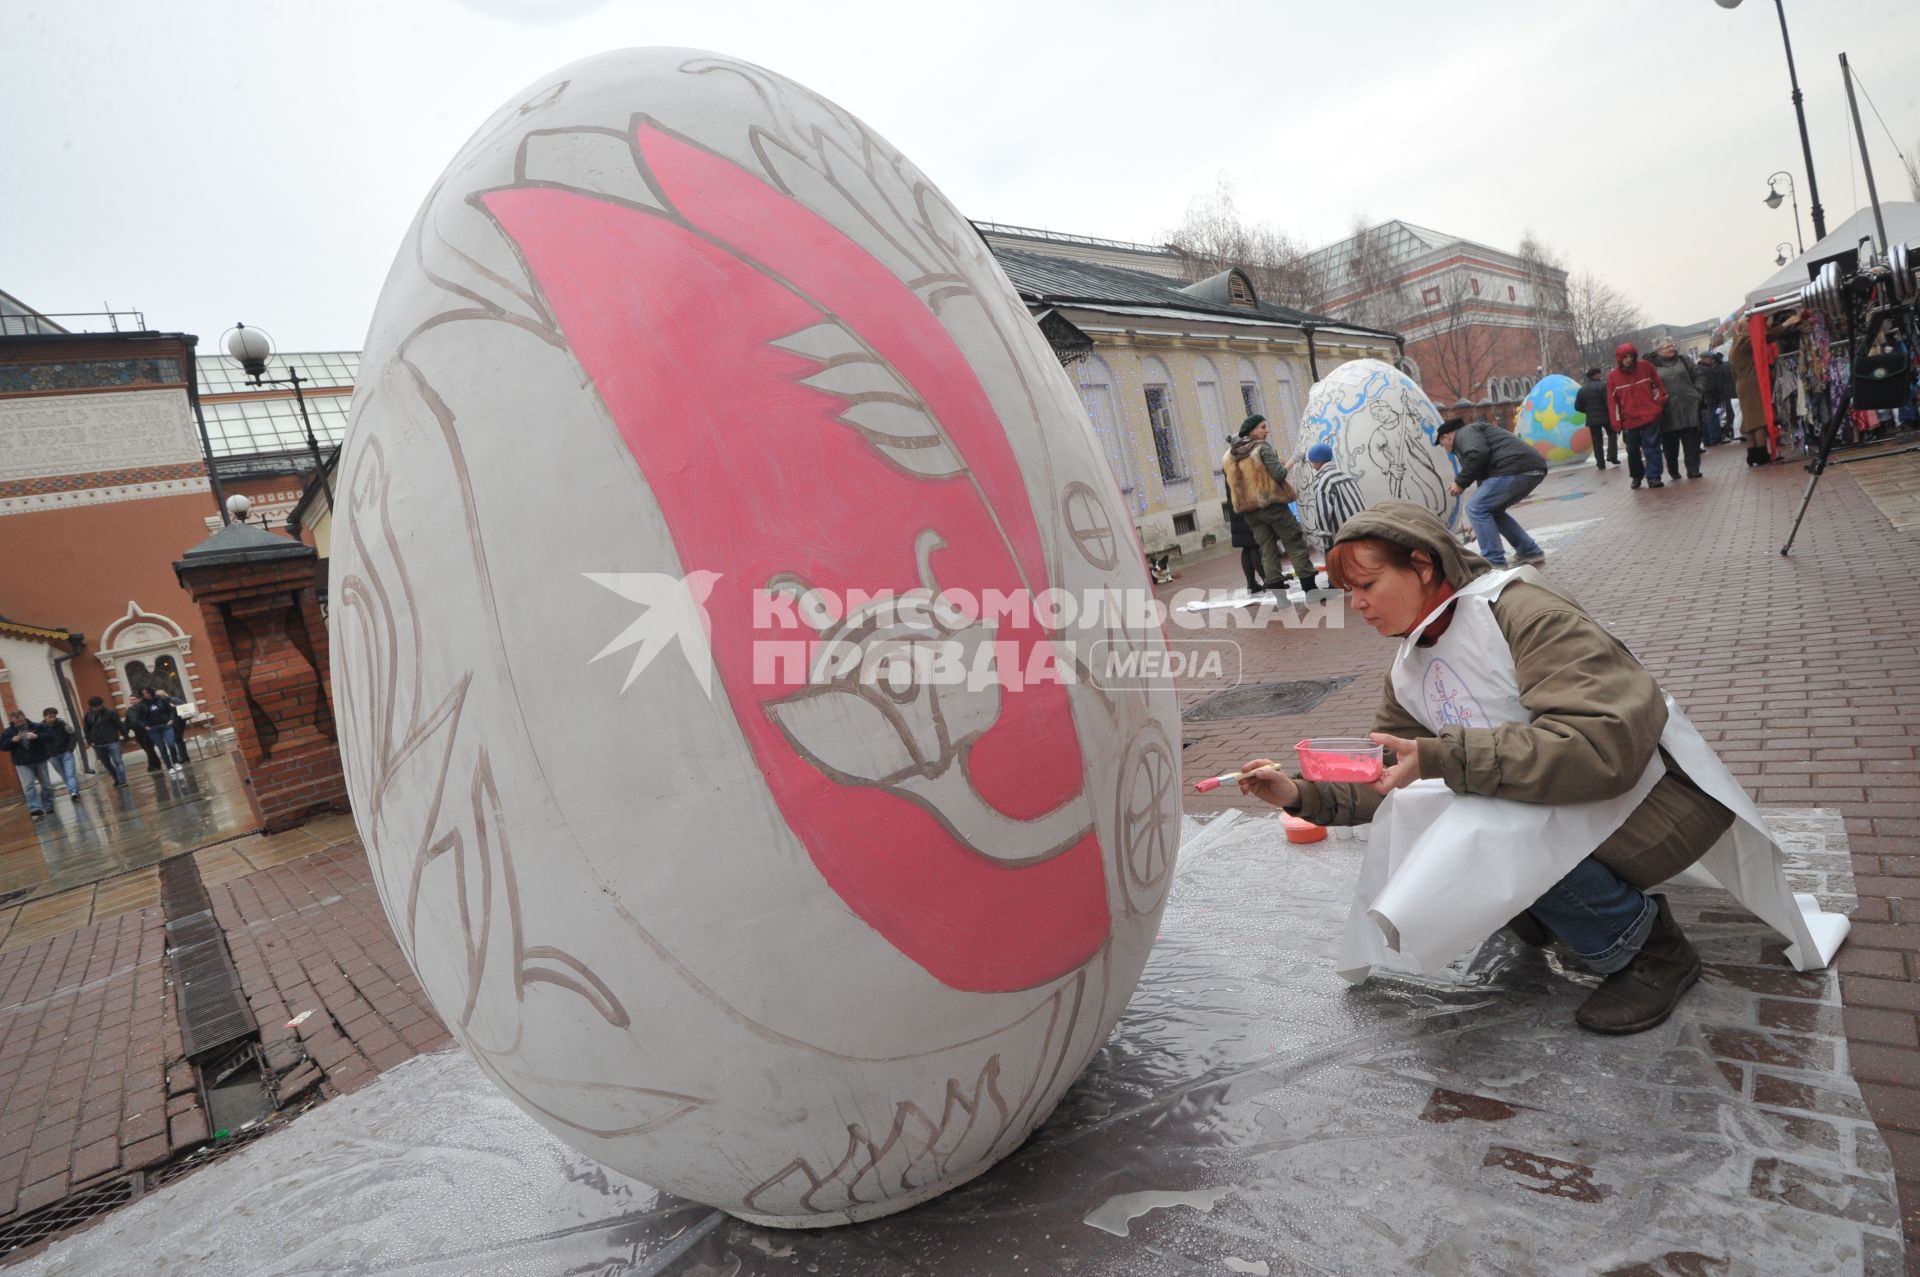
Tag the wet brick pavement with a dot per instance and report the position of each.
(92, 1080)
(1804, 672)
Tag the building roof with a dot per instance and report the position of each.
(40, 633)
(1154, 259)
(1055, 281)
(1401, 244)
(1644, 338)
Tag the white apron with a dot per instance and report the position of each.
(1443, 871)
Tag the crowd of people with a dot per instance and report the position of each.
(43, 751)
(1665, 408)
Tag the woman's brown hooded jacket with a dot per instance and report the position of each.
(1597, 718)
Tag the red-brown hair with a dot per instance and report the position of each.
(1375, 553)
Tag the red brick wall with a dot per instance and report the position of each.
(79, 566)
(270, 643)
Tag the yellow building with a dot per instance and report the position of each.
(1167, 371)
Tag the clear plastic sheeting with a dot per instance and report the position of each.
(1251, 1114)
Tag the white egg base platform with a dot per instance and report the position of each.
(1251, 1114)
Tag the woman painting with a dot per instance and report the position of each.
(1539, 777)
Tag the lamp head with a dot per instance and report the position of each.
(1779, 259)
(238, 505)
(1728, 4)
(249, 347)
(1774, 196)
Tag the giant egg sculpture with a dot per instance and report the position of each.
(1549, 422)
(691, 417)
(1381, 427)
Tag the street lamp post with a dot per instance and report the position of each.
(1806, 147)
(1781, 252)
(1773, 201)
(251, 348)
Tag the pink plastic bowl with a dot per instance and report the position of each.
(1351, 759)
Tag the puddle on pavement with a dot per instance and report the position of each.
(1251, 1114)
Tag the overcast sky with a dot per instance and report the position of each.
(259, 161)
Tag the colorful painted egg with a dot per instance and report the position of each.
(691, 420)
(1548, 420)
(1381, 427)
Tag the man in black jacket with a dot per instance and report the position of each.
(21, 742)
(1591, 401)
(1506, 470)
(105, 731)
(1716, 395)
(58, 736)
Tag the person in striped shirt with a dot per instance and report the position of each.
(1336, 495)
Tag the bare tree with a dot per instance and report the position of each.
(1548, 304)
(1600, 314)
(1913, 171)
(1463, 348)
(1215, 236)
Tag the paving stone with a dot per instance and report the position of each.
(95, 1160)
(187, 1129)
(44, 1193)
(1823, 1191)
(1777, 1049)
(146, 1154)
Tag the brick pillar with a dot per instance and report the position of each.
(255, 591)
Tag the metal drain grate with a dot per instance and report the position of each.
(213, 1011)
(206, 989)
(199, 928)
(1265, 700)
(182, 894)
(69, 1212)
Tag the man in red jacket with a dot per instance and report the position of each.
(1638, 401)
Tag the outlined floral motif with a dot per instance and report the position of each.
(400, 736)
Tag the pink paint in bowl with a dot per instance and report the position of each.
(1341, 759)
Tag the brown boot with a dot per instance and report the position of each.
(1644, 992)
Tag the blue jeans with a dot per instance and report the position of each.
(166, 740)
(109, 756)
(1488, 511)
(1643, 453)
(33, 783)
(63, 764)
(1599, 917)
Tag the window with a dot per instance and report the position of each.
(1250, 397)
(1183, 524)
(1212, 415)
(164, 678)
(1430, 296)
(1096, 396)
(1167, 447)
(1476, 286)
(1512, 296)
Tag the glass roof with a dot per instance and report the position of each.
(221, 376)
(241, 427)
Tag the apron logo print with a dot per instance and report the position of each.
(1449, 700)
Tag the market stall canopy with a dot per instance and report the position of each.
(1903, 226)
